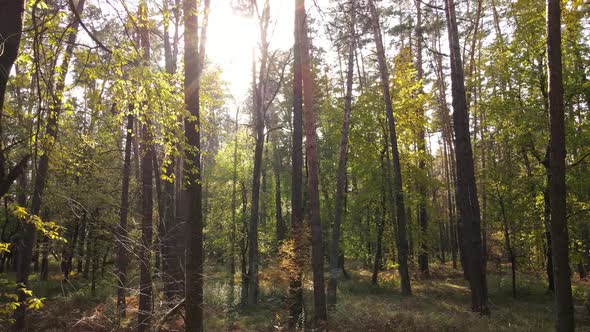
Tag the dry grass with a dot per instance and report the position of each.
(439, 303)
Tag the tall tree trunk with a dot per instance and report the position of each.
(122, 232)
(400, 209)
(295, 302)
(255, 205)
(259, 89)
(194, 53)
(341, 175)
(467, 203)
(422, 153)
(172, 248)
(144, 315)
(55, 108)
(557, 187)
(317, 253)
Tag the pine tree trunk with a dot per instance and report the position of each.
(341, 175)
(467, 202)
(144, 315)
(422, 153)
(193, 56)
(122, 232)
(295, 301)
(259, 89)
(400, 208)
(311, 146)
(557, 186)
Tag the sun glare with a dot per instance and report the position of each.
(233, 38)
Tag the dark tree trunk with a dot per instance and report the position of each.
(295, 302)
(122, 232)
(144, 314)
(557, 187)
(341, 176)
(467, 202)
(399, 207)
(194, 53)
(421, 138)
(548, 251)
(317, 253)
(259, 90)
(255, 205)
(29, 231)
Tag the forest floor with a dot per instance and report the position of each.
(439, 303)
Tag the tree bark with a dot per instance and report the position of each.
(122, 232)
(557, 186)
(400, 209)
(144, 314)
(194, 53)
(548, 251)
(422, 153)
(317, 254)
(341, 175)
(467, 203)
(295, 301)
(172, 249)
(259, 90)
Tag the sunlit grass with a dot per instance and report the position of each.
(439, 303)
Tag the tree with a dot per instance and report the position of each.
(147, 202)
(122, 232)
(51, 130)
(194, 53)
(259, 114)
(399, 207)
(557, 188)
(295, 301)
(341, 176)
(421, 142)
(11, 16)
(467, 203)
